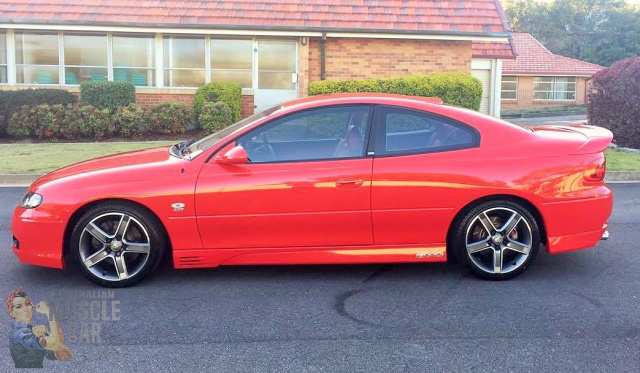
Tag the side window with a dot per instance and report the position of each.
(325, 133)
(408, 131)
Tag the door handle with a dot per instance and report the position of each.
(349, 183)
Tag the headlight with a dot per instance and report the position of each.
(31, 201)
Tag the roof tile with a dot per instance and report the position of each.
(473, 16)
(534, 59)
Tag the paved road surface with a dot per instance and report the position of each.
(576, 312)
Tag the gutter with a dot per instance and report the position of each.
(31, 24)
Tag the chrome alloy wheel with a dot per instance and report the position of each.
(498, 240)
(114, 246)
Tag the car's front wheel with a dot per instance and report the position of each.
(497, 240)
(117, 244)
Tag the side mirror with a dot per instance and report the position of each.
(235, 155)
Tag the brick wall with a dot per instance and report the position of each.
(156, 98)
(246, 106)
(348, 58)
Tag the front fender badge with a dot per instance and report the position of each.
(178, 206)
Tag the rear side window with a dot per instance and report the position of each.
(404, 131)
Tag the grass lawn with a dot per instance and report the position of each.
(42, 158)
(620, 160)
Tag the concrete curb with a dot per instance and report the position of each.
(27, 179)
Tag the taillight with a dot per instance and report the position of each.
(595, 170)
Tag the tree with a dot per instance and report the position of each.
(614, 101)
(598, 31)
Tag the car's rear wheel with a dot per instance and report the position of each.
(497, 240)
(117, 244)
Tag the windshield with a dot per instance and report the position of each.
(214, 138)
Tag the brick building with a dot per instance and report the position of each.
(273, 48)
(538, 77)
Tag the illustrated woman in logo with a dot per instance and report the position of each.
(30, 344)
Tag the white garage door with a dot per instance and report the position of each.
(485, 77)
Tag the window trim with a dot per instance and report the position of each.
(365, 154)
(380, 133)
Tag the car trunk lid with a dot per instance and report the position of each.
(585, 139)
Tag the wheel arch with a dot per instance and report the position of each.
(77, 214)
(497, 197)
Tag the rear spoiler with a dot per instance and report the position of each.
(598, 138)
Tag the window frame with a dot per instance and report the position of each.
(152, 65)
(63, 61)
(378, 145)
(515, 90)
(59, 66)
(366, 139)
(204, 69)
(551, 95)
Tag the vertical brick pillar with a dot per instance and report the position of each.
(246, 105)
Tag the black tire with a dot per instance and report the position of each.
(496, 255)
(118, 232)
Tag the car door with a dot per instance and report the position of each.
(305, 185)
(415, 180)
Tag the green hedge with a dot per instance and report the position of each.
(215, 116)
(12, 101)
(458, 89)
(228, 92)
(170, 117)
(107, 95)
(64, 122)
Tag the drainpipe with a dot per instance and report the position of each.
(323, 74)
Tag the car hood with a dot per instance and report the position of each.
(103, 167)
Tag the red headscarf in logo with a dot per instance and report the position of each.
(12, 296)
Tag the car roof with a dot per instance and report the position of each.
(353, 98)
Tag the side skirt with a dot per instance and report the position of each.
(316, 255)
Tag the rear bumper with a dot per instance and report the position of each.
(577, 224)
(575, 242)
(40, 239)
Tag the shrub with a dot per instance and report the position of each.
(107, 95)
(26, 120)
(46, 122)
(228, 92)
(614, 101)
(96, 123)
(169, 117)
(131, 121)
(453, 88)
(12, 101)
(215, 116)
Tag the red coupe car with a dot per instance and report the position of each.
(355, 178)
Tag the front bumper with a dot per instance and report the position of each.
(40, 237)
